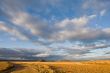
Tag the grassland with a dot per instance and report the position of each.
(55, 67)
(5, 66)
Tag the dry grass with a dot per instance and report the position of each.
(4, 66)
(84, 68)
(62, 67)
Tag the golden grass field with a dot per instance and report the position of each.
(55, 67)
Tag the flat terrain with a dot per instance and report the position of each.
(55, 67)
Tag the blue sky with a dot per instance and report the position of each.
(55, 29)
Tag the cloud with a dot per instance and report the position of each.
(36, 29)
(21, 18)
(29, 54)
(107, 52)
(97, 6)
(28, 21)
(98, 58)
(102, 13)
(13, 39)
(12, 31)
(77, 51)
(33, 24)
(15, 54)
(74, 52)
(30, 27)
(40, 29)
(42, 55)
(75, 22)
(92, 46)
(80, 34)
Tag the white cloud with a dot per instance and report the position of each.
(81, 34)
(107, 30)
(78, 29)
(26, 21)
(42, 55)
(13, 39)
(75, 22)
(102, 13)
(13, 10)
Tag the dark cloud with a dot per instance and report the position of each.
(16, 54)
(107, 52)
(83, 49)
(6, 53)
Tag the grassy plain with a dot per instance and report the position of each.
(55, 67)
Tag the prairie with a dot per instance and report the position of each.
(55, 67)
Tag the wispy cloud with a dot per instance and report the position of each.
(97, 6)
(12, 31)
(102, 13)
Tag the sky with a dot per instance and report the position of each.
(55, 29)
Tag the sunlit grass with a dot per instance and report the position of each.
(60, 67)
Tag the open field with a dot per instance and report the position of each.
(55, 67)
